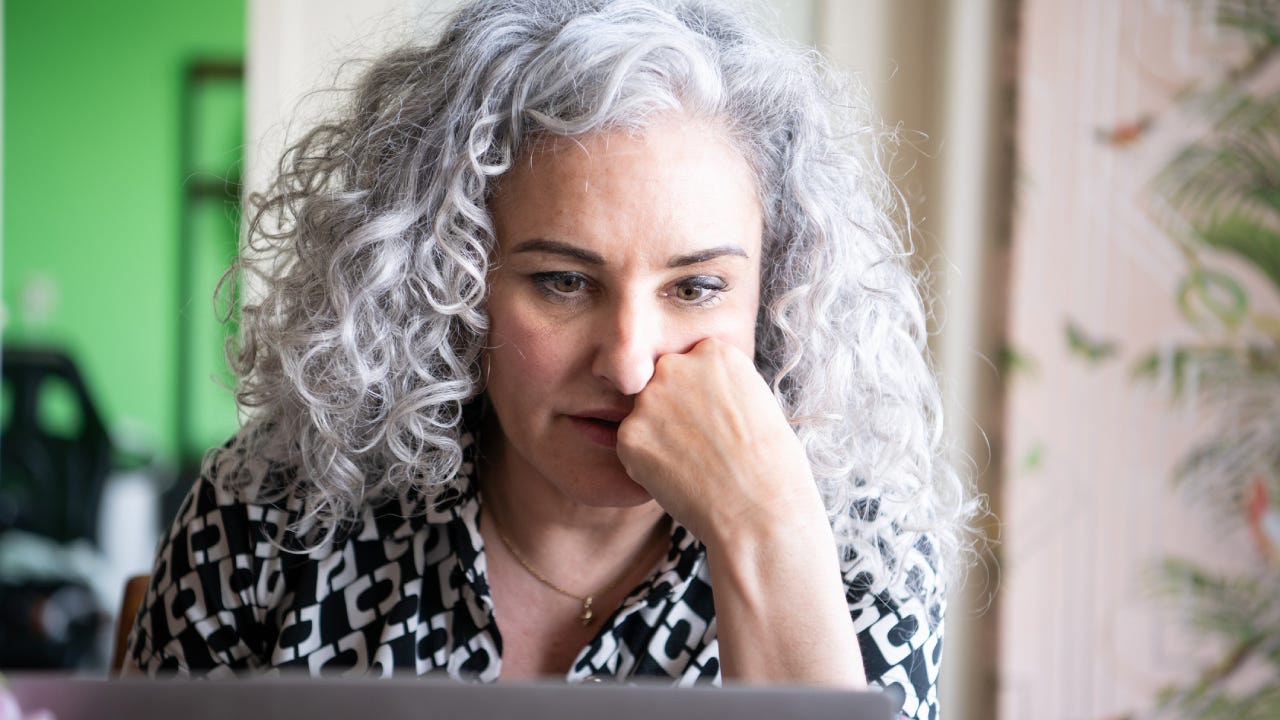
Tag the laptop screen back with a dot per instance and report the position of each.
(367, 699)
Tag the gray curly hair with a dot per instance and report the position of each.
(364, 350)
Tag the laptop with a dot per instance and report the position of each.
(70, 698)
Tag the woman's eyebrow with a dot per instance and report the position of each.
(556, 247)
(702, 256)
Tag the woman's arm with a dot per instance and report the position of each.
(199, 614)
(781, 613)
(707, 439)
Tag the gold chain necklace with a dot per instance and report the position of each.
(587, 615)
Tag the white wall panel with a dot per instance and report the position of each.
(297, 47)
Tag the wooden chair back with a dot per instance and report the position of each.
(135, 589)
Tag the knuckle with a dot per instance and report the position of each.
(630, 434)
(664, 366)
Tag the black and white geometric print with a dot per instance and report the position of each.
(405, 591)
(901, 647)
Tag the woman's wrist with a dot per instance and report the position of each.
(795, 515)
(780, 605)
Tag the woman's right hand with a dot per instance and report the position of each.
(709, 442)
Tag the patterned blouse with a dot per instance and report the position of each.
(405, 591)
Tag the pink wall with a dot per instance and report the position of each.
(1089, 506)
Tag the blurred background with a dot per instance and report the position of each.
(1095, 198)
(123, 139)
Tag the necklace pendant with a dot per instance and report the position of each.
(586, 616)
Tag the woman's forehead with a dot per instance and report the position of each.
(672, 185)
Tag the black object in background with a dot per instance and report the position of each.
(55, 455)
(47, 624)
(51, 478)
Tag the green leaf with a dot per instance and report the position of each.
(1248, 239)
(1174, 362)
(1259, 19)
(1034, 458)
(1217, 292)
(1231, 177)
(1091, 349)
(1210, 366)
(1148, 366)
(1016, 362)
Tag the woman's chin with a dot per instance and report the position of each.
(609, 487)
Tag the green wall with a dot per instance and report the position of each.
(92, 192)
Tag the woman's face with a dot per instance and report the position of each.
(613, 250)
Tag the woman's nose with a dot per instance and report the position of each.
(628, 346)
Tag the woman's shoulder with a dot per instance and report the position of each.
(899, 615)
(908, 577)
(223, 515)
(253, 467)
(254, 483)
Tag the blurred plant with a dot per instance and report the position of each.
(1092, 350)
(1223, 196)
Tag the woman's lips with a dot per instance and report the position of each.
(599, 431)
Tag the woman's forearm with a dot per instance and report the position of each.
(781, 612)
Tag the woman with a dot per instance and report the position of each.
(569, 319)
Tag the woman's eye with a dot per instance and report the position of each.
(690, 293)
(698, 290)
(560, 283)
(567, 283)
